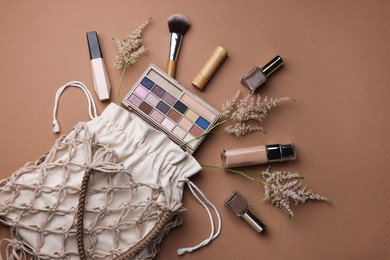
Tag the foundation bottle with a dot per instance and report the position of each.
(258, 155)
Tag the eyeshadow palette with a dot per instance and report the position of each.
(171, 108)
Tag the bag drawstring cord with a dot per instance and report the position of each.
(194, 190)
(91, 102)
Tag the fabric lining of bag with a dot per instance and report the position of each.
(39, 203)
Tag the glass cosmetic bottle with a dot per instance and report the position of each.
(258, 155)
(241, 207)
(257, 76)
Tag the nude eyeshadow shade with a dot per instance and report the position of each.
(171, 108)
(175, 116)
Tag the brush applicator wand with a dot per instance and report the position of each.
(178, 25)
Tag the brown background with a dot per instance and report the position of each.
(336, 55)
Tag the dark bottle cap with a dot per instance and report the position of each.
(93, 44)
(281, 152)
(271, 66)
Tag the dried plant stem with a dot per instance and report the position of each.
(120, 85)
(129, 50)
(207, 132)
(234, 171)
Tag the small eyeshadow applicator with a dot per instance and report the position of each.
(178, 25)
(240, 206)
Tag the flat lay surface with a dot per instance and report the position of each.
(335, 68)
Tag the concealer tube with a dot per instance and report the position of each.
(258, 155)
(101, 83)
(209, 68)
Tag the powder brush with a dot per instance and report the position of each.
(178, 25)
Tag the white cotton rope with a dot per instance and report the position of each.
(213, 234)
(91, 103)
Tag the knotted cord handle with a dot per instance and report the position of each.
(162, 221)
(80, 213)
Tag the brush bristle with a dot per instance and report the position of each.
(178, 23)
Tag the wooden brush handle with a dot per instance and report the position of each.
(171, 68)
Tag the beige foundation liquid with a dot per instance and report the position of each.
(258, 155)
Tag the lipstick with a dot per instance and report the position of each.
(258, 155)
(209, 68)
(101, 83)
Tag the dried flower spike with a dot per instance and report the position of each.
(281, 188)
(129, 50)
(250, 109)
(248, 112)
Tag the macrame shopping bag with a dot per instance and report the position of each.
(111, 189)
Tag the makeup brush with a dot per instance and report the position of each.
(178, 25)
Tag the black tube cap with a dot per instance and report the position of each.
(93, 44)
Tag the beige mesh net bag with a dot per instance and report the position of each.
(111, 189)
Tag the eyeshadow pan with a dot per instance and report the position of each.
(169, 99)
(146, 108)
(147, 83)
(179, 132)
(141, 91)
(158, 91)
(163, 107)
(202, 123)
(174, 115)
(152, 99)
(157, 116)
(190, 138)
(179, 106)
(133, 99)
(168, 86)
(192, 115)
(198, 107)
(196, 131)
(185, 123)
(168, 124)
